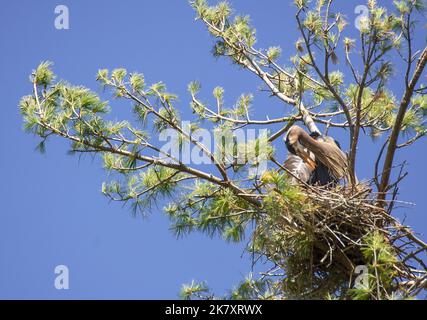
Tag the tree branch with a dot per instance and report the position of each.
(394, 136)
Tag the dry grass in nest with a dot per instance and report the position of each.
(329, 227)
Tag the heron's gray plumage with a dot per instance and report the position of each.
(300, 171)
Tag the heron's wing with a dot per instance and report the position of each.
(298, 168)
(322, 176)
(331, 140)
(328, 152)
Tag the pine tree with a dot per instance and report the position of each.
(314, 238)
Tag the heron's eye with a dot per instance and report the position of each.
(314, 135)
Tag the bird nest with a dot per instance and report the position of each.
(323, 236)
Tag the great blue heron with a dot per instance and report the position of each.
(319, 155)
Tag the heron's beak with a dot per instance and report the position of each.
(304, 154)
(310, 162)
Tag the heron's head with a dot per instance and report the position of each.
(288, 144)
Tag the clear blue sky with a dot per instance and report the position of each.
(51, 209)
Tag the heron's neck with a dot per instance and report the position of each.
(307, 141)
